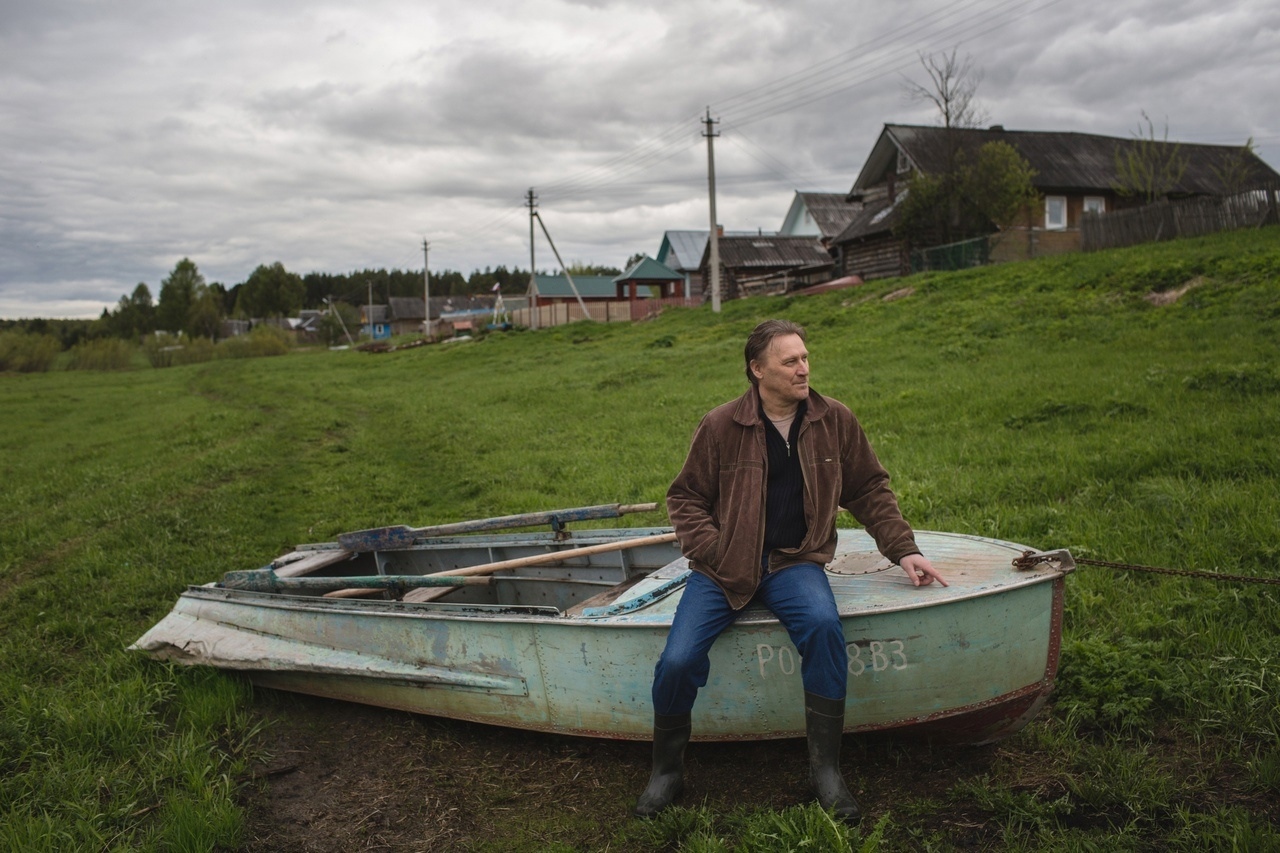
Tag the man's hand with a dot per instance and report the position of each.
(920, 570)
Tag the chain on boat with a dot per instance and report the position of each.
(1031, 559)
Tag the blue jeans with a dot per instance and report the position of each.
(801, 599)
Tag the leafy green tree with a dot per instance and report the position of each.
(177, 293)
(271, 291)
(580, 268)
(999, 183)
(984, 190)
(204, 318)
(134, 316)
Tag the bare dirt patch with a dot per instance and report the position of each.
(344, 777)
(1168, 297)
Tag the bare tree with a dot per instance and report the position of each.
(1148, 167)
(953, 83)
(1236, 172)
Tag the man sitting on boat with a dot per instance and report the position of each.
(754, 509)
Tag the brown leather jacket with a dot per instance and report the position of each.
(716, 503)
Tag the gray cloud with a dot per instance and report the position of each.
(332, 136)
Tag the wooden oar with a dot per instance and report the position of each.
(400, 536)
(421, 595)
(260, 580)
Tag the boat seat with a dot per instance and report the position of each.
(603, 599)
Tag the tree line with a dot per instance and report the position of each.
(188, 304)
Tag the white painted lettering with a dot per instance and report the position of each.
(764, 654)
(899, 651)
(880, 655)
(855, 659)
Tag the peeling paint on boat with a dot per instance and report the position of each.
(973, 661)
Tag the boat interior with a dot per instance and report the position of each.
(572, 585)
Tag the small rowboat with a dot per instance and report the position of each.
(559, 631)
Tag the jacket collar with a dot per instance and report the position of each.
(746, 410)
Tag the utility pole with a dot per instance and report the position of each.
(426, 291)
(586, 315)
(370, 310)
(714, 260)
(532, 203)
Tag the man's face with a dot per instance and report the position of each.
(783, 371)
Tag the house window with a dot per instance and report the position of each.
(1055, 212)
(904, 165)
(1095, 204)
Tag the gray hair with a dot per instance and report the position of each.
(763, 335)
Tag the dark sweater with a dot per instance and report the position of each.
(784, 523)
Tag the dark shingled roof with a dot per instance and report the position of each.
(831, 212)
(762, 251)
(877, 216)
(1062, 160)
(406, 308)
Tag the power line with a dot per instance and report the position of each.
(869, 60)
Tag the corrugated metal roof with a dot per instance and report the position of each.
(682, 250)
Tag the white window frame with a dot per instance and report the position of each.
(1051, 224)
(1095, 204)
(904, 163)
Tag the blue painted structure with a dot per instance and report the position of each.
(569, 646)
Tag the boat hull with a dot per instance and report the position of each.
(972, 662)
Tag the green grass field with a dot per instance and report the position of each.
(1049, 403)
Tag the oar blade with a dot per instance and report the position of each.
(378, 539)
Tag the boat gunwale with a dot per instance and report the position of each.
(545, 614)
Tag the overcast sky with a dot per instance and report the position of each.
(336, 136)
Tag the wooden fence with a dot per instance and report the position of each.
(611, 311)
(1168, 220)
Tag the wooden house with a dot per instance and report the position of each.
(682, 251)
(767, 263)
(1075, 174)
(375, 321)
(820, 215)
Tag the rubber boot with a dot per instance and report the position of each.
(824, 725)
(670, 736)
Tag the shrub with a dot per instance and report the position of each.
(160, 349)
(27, 353)
(102, 354)
(261, 341)
(195, 351)
(166, 350)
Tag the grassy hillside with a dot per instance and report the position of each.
(1052, 403)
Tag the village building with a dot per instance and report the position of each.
(1075, 173)
(820, 215)
(648, 276)
(556, 289)
(767, 263)
(682, 251)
